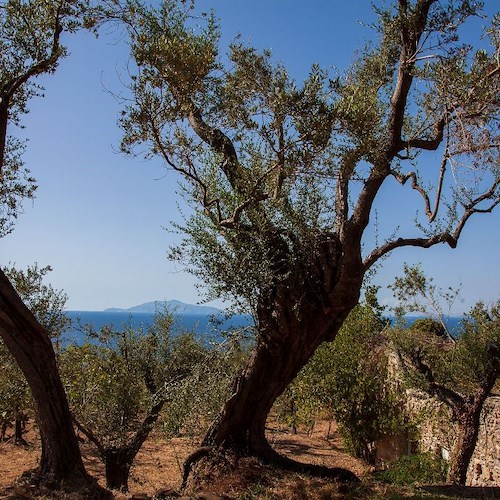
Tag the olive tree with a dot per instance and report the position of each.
(283, 176)
(119, 381)
(460, 374)
(30, 45)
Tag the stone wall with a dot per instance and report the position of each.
(435, 433)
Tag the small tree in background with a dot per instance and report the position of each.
(429, 325)
(15, 400)
(195, 401)
(460, 374)
(119, 382)
(417, 293)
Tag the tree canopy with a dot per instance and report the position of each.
(264, 155)
(30, 45)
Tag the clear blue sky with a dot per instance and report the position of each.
(98, 218)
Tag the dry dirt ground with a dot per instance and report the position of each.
(159, 464)
(158, 467)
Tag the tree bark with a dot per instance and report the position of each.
(469, 417)
(291, 327)
(4, 118)
(19, 427)
(117, 463)
(468, 431)
(29, 343)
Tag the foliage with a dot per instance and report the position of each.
(194, 403)
(423, 468)
(15, 400)
(429, 325)
(30, 32)
(269, 163)
(16, 185)
(365, 403)
(46, 303)
(460, 374)
(463, 365)
(116, 377)
(113, 380)
(478, 347)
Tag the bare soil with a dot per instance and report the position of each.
(159, 463)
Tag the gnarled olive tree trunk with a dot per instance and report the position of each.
(30, 345)
(292, 323)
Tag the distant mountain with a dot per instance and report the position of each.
(173, 306)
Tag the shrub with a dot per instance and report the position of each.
(429, 325)
(421, 468)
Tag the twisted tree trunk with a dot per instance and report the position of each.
(30, 345)
(290, 328)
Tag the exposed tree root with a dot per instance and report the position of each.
(225, 458)
(191, 460)
(335, 473)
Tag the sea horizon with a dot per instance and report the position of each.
(206, 326)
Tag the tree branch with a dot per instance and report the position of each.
(409, 47)
(410, 39)
(428, 144)
(444, 237)
(404, 242)
(451, 398)
(471, 207)
(222, 145)
(90, 436)
(147, 425)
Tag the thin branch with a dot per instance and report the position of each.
(402, 179)
(90, 436)
(281, 162)
(443, 237)
(471, 208)
(404, 242)
(222, 145)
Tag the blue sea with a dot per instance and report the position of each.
(205, 327)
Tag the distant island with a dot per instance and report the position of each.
(173, 306)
